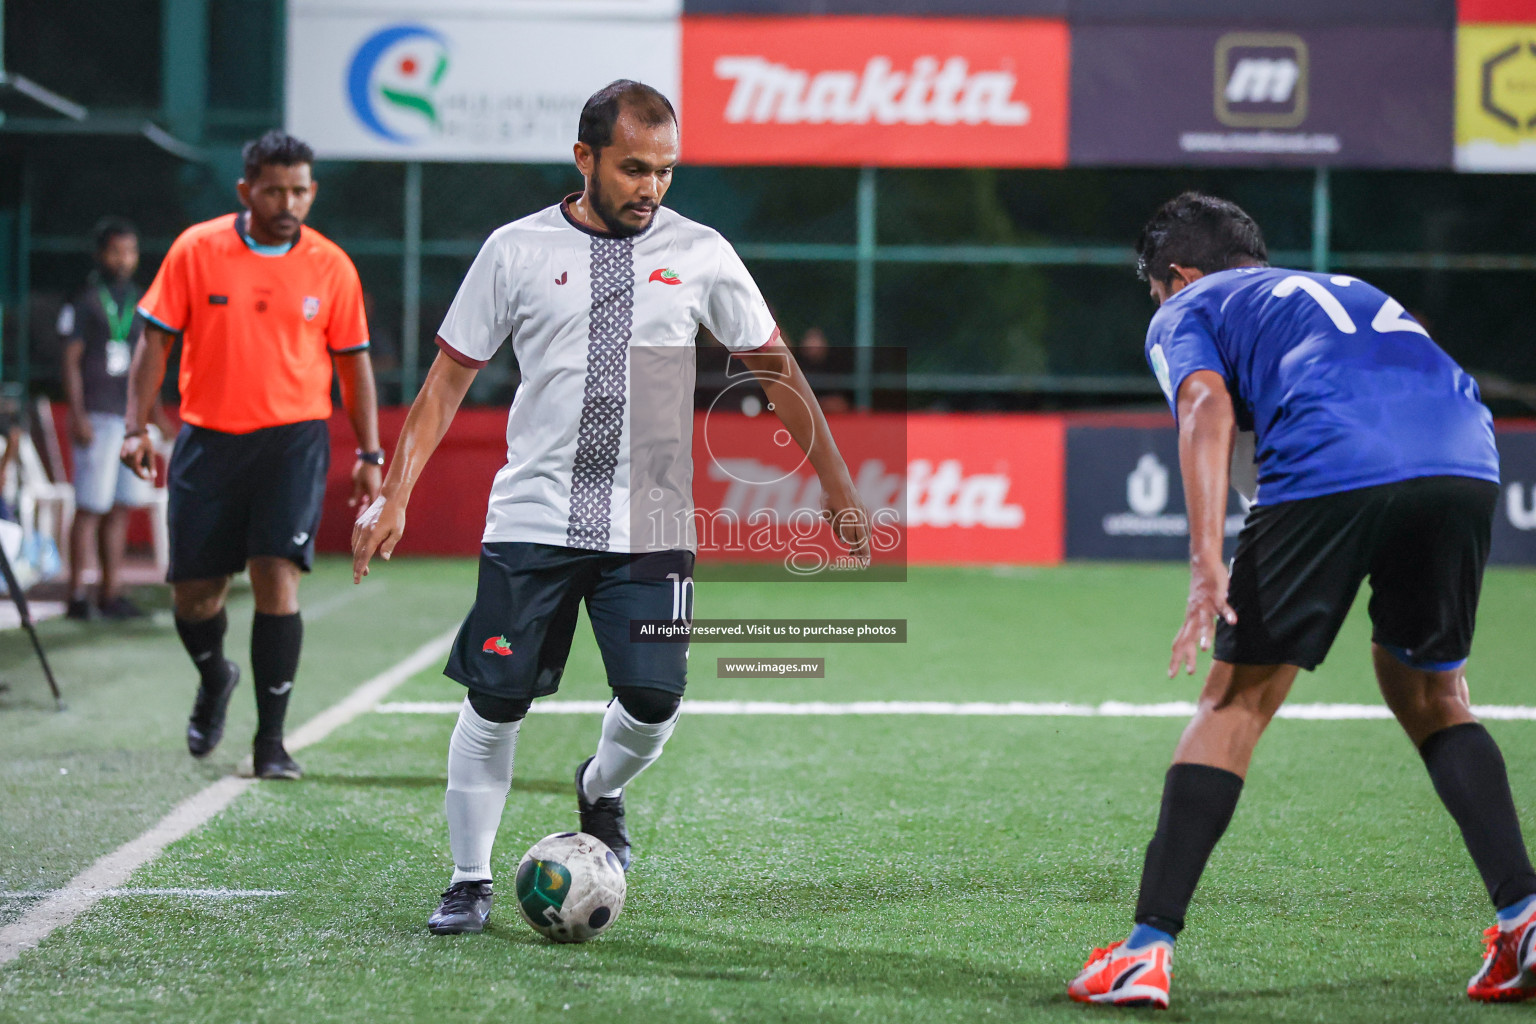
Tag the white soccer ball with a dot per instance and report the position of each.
(570, 887)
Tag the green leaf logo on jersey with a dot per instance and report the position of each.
(542, 886)
(666, 276)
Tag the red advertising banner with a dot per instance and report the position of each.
(985, 490)
(895, 92)
(1487, 11)
(960, 490)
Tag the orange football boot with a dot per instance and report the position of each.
(1126, 977)
(1509, 962)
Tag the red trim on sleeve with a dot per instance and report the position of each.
(461, 358)
(771, 339)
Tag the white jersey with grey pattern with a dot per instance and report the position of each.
(583, 310)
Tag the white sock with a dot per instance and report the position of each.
(479, 775)
(626, 749)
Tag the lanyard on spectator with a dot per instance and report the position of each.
(118, 320)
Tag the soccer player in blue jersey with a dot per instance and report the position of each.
(1375, 459)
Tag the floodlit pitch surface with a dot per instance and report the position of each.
(886, 867)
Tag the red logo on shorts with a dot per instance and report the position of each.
(497, 645)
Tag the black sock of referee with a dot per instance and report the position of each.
(1198, 802)
(204, 642)
(1468, 772)
(275, 644)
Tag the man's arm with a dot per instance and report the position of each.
(354, 372)
(74, 392)
(1207, 427)
(145, 375)
(382, 523)
(792, 400)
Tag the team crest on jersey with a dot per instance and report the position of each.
(311, 307)
(666, 276)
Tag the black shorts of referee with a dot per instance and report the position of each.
(234, 497)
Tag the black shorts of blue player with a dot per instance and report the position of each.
(1423, 543)
(515, 640)
(234, 497)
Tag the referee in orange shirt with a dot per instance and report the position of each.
(264, 308)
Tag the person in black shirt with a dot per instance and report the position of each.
(98, 328)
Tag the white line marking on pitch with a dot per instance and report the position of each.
(202, 894)
(111, 870)
(320, 609)
(1108, 709)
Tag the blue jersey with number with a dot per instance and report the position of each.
(1340, 386)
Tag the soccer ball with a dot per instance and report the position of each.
(570, 887)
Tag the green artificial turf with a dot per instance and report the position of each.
(876, 868)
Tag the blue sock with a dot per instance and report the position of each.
(1145, 934)
(1514, 910)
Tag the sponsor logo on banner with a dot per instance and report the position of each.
(1354, 95)
(1261, 80)
(479, 81)
(1496, 97)
(888, 91)
(1514, 521)
(1125, 498)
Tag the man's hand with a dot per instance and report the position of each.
(1207, 599)
(378, 529)
(841, 506)
(367, 481)
(80, 429)
(138, 454)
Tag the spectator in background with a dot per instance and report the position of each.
(816, 357)
(97, 329)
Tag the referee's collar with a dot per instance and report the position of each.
(565, 211)
(243, 218)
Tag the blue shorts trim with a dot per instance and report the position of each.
(1405, 656)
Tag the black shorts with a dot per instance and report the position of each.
(234, 497)
(515, 640)
(1422, 542)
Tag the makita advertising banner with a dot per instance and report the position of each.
(1347, 96)
(1125, 498)
(941, 489)
(894, 92)
(465, 80)
(1514, 524)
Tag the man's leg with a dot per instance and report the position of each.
(511, 647)
(481, 754)
(277, 637)
(111, 540)
(82, 539)
(647, 679)
(1201, 789)
(636, 726)
(201, 623)
(1200, 794)
(1467, 770)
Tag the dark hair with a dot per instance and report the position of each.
(602, 111)
(1200, 231)
(275, 147)
(109, 228)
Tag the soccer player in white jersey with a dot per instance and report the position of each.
(590, 291)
